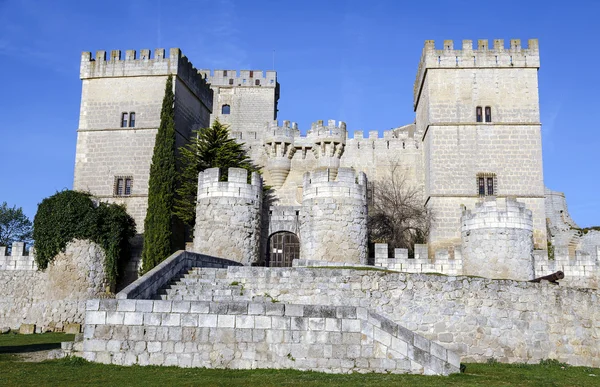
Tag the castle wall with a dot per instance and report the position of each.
(228, 216)
(242, 335)
(333, 224)
(477, 318)
(55, 297)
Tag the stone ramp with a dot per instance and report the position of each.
(248, 335)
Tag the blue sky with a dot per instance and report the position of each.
(348, 60)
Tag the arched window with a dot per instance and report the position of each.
(225, 109)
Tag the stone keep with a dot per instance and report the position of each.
(497, 242)
(333, 220)
(459, 147)
(107, 149)
(228, 215)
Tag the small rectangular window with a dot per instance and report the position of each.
(257, 82)
(224, 73)
(127, 187)
(488, 114)
(132, 120)
(231, 81)
(123, 120)
(479, 114)
(123, 185)
(119, 187)
(481, 186)
(251, 73)
(490, 186)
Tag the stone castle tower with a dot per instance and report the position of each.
(477, 113)
(121, 100)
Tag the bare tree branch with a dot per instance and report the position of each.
(397, 215)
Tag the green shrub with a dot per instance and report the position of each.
(69, 215)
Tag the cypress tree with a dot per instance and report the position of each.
(210, 147)
(158, 227)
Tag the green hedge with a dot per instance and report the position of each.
(69, 215)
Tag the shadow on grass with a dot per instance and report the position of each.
(29, 348)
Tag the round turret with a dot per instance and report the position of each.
(279, 146)
(333, 224)
(328, 144)
(228, 215)
(498, 242)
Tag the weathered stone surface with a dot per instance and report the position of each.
(27, 329)
(57, 296)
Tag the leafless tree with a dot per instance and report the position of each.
(397, 215)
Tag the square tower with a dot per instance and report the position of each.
(477, 112)
(121, 103)
(246, 101)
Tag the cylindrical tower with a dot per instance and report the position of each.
(498, 243)
(328, 144)
(333, 221)
(228, 215)
(279, 146)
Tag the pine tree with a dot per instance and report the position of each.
(158, 227)
(210, 147)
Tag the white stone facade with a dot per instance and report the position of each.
(476, 115)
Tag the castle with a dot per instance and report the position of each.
(476, 138)
(272, 282)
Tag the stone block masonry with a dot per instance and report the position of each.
(53, 298)
(498, 242)
(478, 318)
(228, 215)
(247, 335)
(333, 220)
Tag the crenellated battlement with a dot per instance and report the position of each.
(18, 258)
(329, 130)
(343, 182)
(236, 186)
(250, 78)
(444, 261)
(281, 133)
(497, 213)
(498, 56)
(146, 64)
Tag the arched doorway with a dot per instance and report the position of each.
(284, 247)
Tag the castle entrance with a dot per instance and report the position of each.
(283, 248)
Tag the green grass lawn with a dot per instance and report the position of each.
(15, 343)
(77, 372)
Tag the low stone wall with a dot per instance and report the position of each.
(477, 318)
(148, 285)
(52, 298)
(257, 335)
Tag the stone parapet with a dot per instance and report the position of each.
(249, 78)
(146, 65)
(483, 57)
(18, 259)
(444, 261)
